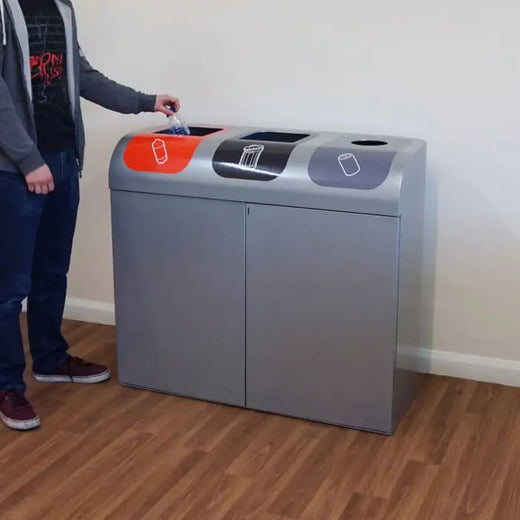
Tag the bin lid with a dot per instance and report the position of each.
(319, 170)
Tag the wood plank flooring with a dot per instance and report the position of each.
(105, 452)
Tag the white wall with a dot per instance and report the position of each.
(443, 71)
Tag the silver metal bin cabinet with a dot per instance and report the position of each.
(270, 269)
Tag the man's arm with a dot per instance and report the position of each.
(97, 88)
(20, 148)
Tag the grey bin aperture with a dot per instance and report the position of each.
(270, 269)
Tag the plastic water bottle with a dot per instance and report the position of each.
(177, 125)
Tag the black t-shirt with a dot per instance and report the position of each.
(47, 45)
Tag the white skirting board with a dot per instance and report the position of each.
(466, 366)
(440, 362)
(90, 311)
(87, 310)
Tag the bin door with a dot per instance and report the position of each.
(180, 294)
(321, 311)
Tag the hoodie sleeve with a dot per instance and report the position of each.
(97, 88)
(15, 142)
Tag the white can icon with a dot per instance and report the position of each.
(251, 155)
(349, 164)
(159, 151)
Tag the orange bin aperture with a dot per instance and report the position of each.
(161, 153)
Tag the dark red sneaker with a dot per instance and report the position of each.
(76, 370)
(16, 412)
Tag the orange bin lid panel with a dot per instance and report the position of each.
(161, 153)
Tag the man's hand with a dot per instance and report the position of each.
(40, 181)
(167, 104)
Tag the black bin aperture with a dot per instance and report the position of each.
(279, 137)
(369, 142)
(195, 131)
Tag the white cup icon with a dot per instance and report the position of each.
(349, 164)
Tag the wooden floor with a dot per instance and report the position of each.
(108, 452)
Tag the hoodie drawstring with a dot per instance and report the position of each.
(2, 15)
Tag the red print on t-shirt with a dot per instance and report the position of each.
(47, 67)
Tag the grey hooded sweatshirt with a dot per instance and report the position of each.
(18, 149)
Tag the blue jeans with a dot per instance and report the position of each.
(36, 233)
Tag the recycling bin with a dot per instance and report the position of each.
(270, 269)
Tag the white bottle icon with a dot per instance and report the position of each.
(159, 151)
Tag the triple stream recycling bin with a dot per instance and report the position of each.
(274, 270)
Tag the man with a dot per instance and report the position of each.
(43, 75)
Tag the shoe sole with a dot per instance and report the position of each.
(82, 380)
(20, 425)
